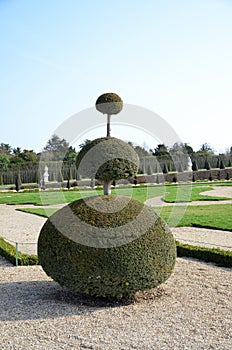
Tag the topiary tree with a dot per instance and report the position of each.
(194, 165)
(107, 159)
(18, 182)
(109, 103)
(207, 164)
(165, 168)
(109, 246)
(222, 165)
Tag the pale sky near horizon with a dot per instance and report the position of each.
(173, 57)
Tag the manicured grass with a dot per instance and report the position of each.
(216, 216)
(39, 211)
(189, 193)
(58, 197)
(171, 193)
(208, 216)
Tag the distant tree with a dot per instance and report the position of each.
(205, 149)
(20, 157)
(56, 148)
(188, 149)
(229, 163)
(4, 161)
(142, 152)
(29, 156)
(5, 148)
(161, 150)
(70, 156)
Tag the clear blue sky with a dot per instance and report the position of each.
(172, 57)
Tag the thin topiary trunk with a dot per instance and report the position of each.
(108, 125)
(107, 188)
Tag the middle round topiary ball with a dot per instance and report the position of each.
(107, 159)
(110, 246)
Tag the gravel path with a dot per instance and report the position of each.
(16, 226)
(191, 310)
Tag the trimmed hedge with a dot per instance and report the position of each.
(214, 255)
(8, 251)
(117, 247)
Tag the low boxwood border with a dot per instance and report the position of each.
(8, 251)
(217, 256)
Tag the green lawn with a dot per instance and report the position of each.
(171, 193)
(217, 216)
(189, 193)
(58, 197)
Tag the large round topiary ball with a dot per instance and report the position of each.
(109, 246)
(109, 103)
(107, 158)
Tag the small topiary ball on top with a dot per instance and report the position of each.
(109, 103)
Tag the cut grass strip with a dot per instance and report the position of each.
(216, 216)
(39, 211)
(171, 193)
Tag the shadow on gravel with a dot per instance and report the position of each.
(46, 299)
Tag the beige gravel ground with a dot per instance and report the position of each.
(191, 310)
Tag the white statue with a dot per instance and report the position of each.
(46, 175)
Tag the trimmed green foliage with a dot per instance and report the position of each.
(207, 164)
(165, 168)
(194, 165)
(222, 165)
(109, 103)
(120, 269)
(217, 256)
(107, 159)
(8, 251)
